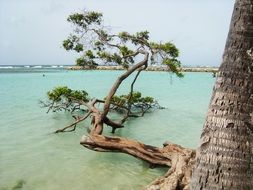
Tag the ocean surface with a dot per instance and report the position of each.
(33, 158)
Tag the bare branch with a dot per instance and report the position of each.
(78, 120)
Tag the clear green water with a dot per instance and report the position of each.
(46, 161)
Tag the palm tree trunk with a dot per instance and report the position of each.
(225, 156)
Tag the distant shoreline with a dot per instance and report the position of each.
(150, 68)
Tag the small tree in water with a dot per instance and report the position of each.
(96, 45)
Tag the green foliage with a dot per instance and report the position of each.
(72, 44)
(89, 54)
(119, 100)
(116, 58)
(68, 44)
(173, 65)
(135, 103)
(63, 93)
(78, 48)
(93, 17)
(124, 50)
(140, 38)
(97, 45)
(167, 48)
(77, 19)
(80, 61)
(85, 19)
(143, 35)
(88, 63)
(124, 36)
(108, 57)
(102, 34)
(136, 98)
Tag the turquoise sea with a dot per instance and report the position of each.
(32, 158)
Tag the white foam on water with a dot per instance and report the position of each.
(6, 67)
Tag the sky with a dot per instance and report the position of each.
(32, 31)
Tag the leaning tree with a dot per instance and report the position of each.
(224, 159)
(134, 52)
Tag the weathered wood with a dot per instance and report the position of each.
(151, 154)
(179, 175)
(179, 159)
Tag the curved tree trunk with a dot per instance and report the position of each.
(225, 157)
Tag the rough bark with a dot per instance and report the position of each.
(225, 156)
(180, 172)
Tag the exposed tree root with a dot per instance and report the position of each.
(151, 154)
(179, 159)
(179, 175)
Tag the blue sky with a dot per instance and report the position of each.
(31, 31)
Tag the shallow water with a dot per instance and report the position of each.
(30, 152)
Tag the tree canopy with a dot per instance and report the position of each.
(96, 45)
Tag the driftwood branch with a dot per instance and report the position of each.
(179, 159)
